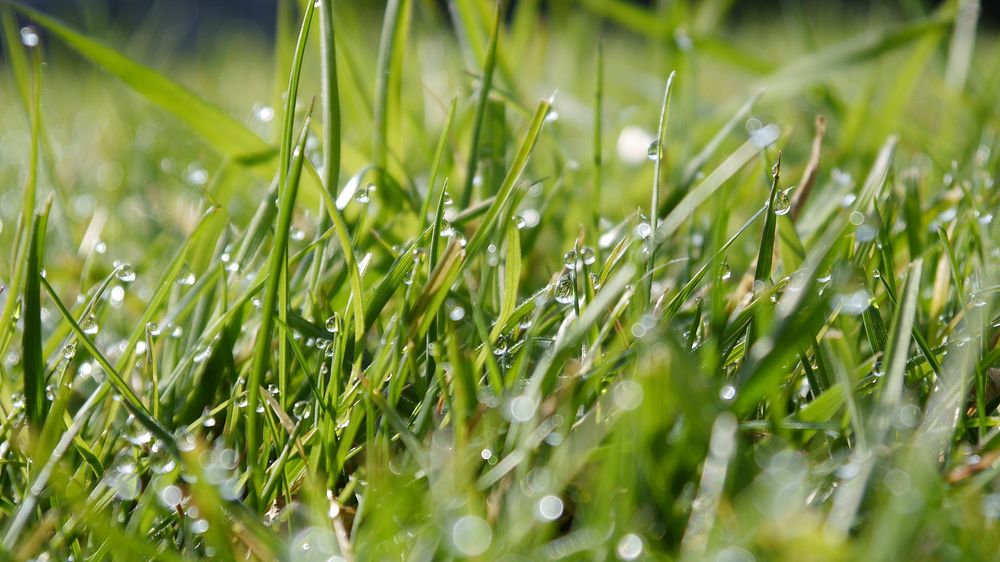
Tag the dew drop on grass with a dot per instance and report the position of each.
(456, 313)
(153, 329)
(643, 230)
(137, 434)
(724, 272)
(123, 478)
(519, 222)
(69, 350)
(171, 496)
(185, 277)
(89, 325)
(29, 36)
(333, 323)
(628, 395)
(273, 390)
(50, 392)
(125, 272)
(492, 257)
(364, 195)
(587, 255)
(728, 393)
(852, 303)
(500, 346)
(569, 259)
(521, 409)
(653, 150)
(302, 410)
(549, 508)
(629, 547)
(783, 203)
(563, 292)
(471, 536)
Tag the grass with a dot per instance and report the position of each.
(537, 287)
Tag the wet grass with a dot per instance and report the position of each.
(538, 289)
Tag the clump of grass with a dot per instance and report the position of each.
(304, 346)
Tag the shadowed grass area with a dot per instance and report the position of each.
(567, 281)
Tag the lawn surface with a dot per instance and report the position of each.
(581, 281)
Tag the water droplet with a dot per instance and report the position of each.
(273, 390)
(29, 37)
(196, 175)
(137, 434)
(724, 272)
(471, 535)
(185, 277)
(333, 323)
(728, 393)
(364, 194)
(628, 395)
(199, 526)
(500, 346)
(50, 392)
(549, 508)
(587, 255)
(518, 222)
(857, 218)
(125, 273)
(302, 410)
(563, 292)
(521, 409)
(153, 329)
(124, 479)
(569, 259)
(89, 325)
(783, 203)
(852, 303)
(643, 230)
(264, 113)
(629, 547)
(171, 496)
(69, 350)
(653, 150)
(595, 281)
(457, 313)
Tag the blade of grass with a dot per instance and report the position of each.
(34, 373)
(486, 83)
(262, 349)
(221, 131)
(654, 205)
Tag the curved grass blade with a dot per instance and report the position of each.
(654, 205)
(220, 131)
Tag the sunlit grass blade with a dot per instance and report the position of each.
(276, 262)
(221, 131)
(485, 83)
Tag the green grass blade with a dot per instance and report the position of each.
(485, 85)
(35, 371)
(220, 131)
(654, 205)
(262, 350)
